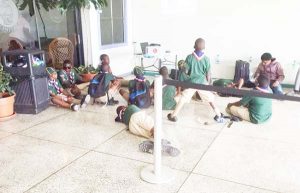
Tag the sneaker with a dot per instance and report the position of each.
(112, 101)
(174, 119)
(74, 107)
(219, 119)
(166, 148)
(85, 101)
(146, 146)
(170, 150)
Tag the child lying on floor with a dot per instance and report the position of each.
(61, 97)
(253, 109)
(141, 124)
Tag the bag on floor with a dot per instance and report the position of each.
(242, 70)
(297, 82)
(97, 87)
(139, 93)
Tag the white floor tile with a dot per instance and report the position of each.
(191, 142)
(25, 161)
(201, 184)
(25, 121)
(101, 173)
(260, 163)
(80, 129)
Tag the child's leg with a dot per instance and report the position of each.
(58, 101)
(141, 124)
(186, 96)
(240, 83)
(124, 93)
(83, 85)
(241, 112)
(210, 98)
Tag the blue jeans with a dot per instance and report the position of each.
(277, 89)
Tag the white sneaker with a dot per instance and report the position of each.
(75, 107)
(85, 101)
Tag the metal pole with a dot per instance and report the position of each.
(36, 25)
(158, 125)
(157, 174)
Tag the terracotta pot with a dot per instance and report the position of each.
(87, 77)
(6, 105)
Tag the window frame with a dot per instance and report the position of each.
(125, 29)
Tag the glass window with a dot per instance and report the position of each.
(112, 22)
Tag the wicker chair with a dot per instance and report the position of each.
(60, 49)
(14, 44)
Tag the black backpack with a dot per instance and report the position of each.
(139, 93)
(242, 70)
(97, 87)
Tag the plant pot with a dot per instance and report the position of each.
(6, 105)
(87, 77)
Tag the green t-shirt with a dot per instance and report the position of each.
(73, 77)
(182, 76)
(197, 69)
(168, 102)
(130, 110)
(108, 78)
(54, 86)
(260, 109)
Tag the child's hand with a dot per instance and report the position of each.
(275, 84)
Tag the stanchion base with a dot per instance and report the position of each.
(147, 174)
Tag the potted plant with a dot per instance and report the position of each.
(87, 73)
(7, 96)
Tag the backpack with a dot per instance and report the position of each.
(139, 93)
(97, 86)
(242, 70)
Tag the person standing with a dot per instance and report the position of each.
(198, 68)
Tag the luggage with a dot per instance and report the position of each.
(97, 87)
(297, 82)
(242, 70)
(139, 93)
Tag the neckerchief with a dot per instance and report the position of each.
(55, 84)
(197, 57)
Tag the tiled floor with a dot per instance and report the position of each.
(62, 151)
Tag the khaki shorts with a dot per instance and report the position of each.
(141, 124)
(206, 96)
(241, 112)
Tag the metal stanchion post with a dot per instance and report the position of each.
(157, 174)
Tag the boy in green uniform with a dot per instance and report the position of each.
(198, 68)
(168, 93)
(253, 109)
(110, 85)
(59, 96)
(139, 90)
(70, 80)
(141, 124)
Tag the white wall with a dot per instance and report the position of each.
(233, 29)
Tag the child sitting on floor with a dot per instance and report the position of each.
(104, 85)
(253, 109)
(168, 93)
(139, 90)
(61, 97)
(141, 124)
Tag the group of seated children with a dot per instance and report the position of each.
(60, 96)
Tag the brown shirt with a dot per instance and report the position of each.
(274, 71)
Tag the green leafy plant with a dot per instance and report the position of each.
(63, 4)
(78, 4)
(5, 79)
(86, 70)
